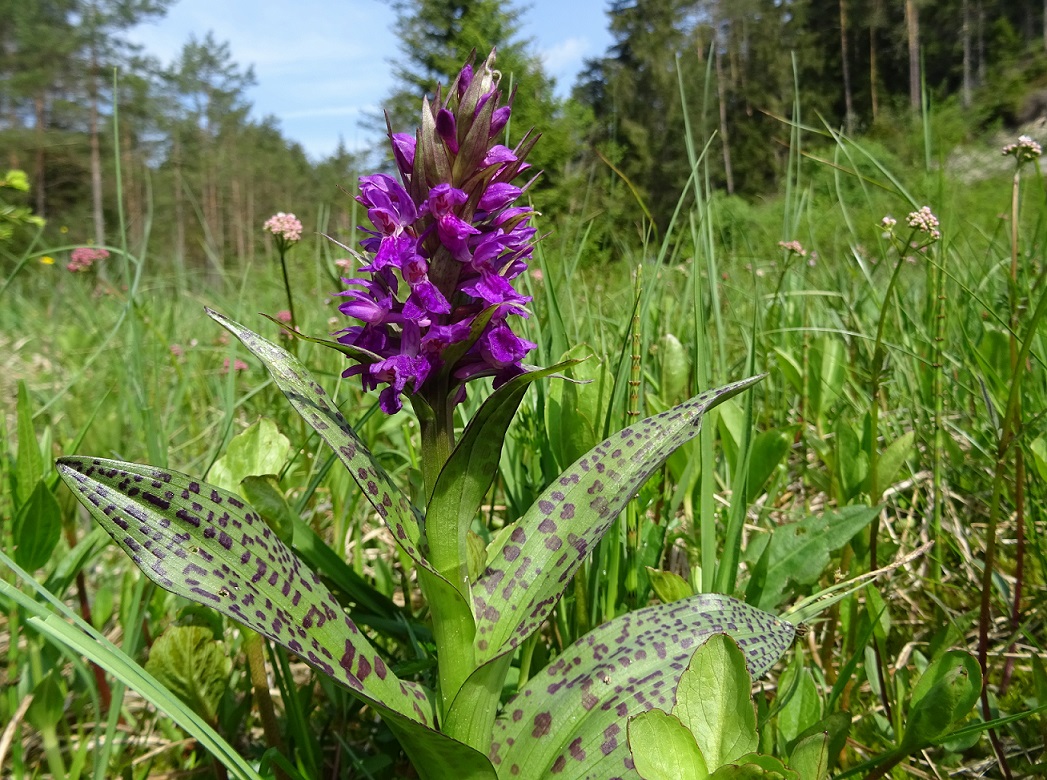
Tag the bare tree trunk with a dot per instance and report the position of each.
(96, 153)
(981, 43)
(848, 102)
(874, 76)
(721, 91)
(968, 73)
(39, 173)
(912, 26)
(179, 207)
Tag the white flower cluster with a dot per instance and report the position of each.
(1024, 150)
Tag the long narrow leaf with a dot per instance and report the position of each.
(205, 544)
(521, 585)
(310, 401)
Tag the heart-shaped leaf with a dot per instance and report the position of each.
(207, 545)
(569, 719)
(527, 577)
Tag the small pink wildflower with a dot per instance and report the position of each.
(345, 263)
(238, 365)
(1024, 150)
(793, 247)
(284, 226)
(925, 222)
(177, 350)
(83, 257)
(283, 315)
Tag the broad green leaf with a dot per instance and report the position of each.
(569, 719)
(835, 726)
(675, 366)
(37, 527)
(799, 552)
(204, 543)
(1038, 448)
(668, 585)
(259, 450)
(754, 767)
(893, 458)
(801, 706)
(850, 460)
(768, 450)
(48, 704)
(826, 374)
(193, 665)
(810, 757)
(942, 697)
(789, 366)
(310, 401)
(714, 702)
(663, 749)
(521, 584)
(469, 471)
(575, 410)
(30, 462)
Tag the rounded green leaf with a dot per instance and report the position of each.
(663, 749)
(192, 665)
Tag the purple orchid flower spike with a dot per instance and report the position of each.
(447, 242)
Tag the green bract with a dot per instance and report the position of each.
(209, 545)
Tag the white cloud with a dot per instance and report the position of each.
(564, 55)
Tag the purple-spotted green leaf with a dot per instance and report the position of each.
(569, 720)
(468, 473)
(206, 544)
(525, 580)
(310, 401)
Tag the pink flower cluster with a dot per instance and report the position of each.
(285, 226)
(925, 222)
(795, 247)
(83, 257)
(1024, 150)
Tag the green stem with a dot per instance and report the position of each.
(254, 650)
(287, 287)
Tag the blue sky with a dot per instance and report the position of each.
(321, 64)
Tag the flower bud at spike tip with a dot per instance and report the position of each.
(445, 245)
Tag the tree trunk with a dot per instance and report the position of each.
(874, 76)
(721, 91)
(967, 89)
(96, 152)
(848, 103)
(39, 173)
(912, 26)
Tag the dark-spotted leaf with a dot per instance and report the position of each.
(37, 527)
(193, 665)
(310, 401)
(570, 718)
(205, 544)
(663, 749)
(714, 702)
(527, 577)
(263, 491)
